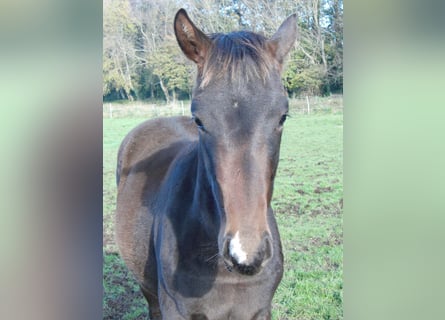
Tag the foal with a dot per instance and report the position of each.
(194, 222)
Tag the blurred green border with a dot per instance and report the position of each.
(394, 157)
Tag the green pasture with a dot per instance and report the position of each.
(308, 202)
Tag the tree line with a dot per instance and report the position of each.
(141, 59)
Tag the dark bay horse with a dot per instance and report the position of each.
(194, 222)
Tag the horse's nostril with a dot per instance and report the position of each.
(225, 251)
(267, 242)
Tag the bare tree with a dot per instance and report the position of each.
(118, 48)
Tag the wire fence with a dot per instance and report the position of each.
(301, 105)
(316, 105)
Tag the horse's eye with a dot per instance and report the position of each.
(283, 118)
(198, 122)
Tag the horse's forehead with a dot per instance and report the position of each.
(240, 97)
(235, 108)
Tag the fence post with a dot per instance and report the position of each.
(111, 110)
(182, 107)
(308, 105)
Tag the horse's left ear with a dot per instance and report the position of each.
(193, 42)
(284, 39)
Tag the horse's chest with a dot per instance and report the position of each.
(228, 297)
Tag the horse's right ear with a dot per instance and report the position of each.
(193, 42)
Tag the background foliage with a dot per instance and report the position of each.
(141, 59)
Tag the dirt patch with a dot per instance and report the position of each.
(333, 209)
(288, 209)
(331, 241)
(300, 209)
(322, 189)
(118, 307)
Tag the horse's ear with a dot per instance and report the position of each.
(284, 39)
(193, 42)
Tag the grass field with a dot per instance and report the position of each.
(308, 202)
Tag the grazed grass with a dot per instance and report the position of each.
(308, 205)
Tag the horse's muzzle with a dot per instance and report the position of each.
(247, 263)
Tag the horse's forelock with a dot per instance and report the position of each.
(243, 56)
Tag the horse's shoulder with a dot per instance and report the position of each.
(152, 136)
(158, 129)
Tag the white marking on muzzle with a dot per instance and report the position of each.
(236, 250)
